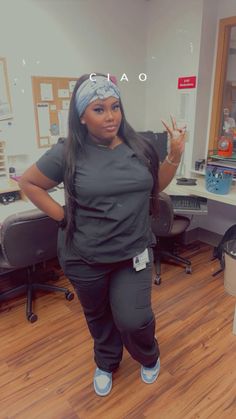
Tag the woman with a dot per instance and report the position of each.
(104, 239)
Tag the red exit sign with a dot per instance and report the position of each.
(187, 82)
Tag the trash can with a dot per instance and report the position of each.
(229, 249)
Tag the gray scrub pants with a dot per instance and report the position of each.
(116, 301)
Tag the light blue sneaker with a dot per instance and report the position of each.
(149, 375)
(102, 382)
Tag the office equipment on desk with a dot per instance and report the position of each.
(218, 179)
(24, 204)
(189, 204)
(199, 164)
(12, 172)
(28, 238)
(8, 197)
(167, 226)
(9, 192)
(226, 163)
(201, 191)
(186, 181)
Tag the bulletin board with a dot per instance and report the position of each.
(51, 96)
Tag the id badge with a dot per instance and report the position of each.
(140, 261)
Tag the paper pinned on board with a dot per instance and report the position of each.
(63, 122)
(46, 92)
(63, 93)
(72, 84)
(65, 104)
(43, 119)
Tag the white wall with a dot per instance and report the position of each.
(174, 35)
(69, 38)
(226, 8)
(173, 51)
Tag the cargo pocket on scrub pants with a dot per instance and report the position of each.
(143, 295)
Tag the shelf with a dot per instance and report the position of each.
(231, 159)
(3, 163)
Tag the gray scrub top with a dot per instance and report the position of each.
(112, 194)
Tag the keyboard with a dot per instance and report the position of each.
(189, 204)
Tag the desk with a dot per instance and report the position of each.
(221, 210)
(24, 204)
(172, 189)
(200, 190)
(8, 185)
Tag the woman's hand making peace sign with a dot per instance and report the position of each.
(177, 137)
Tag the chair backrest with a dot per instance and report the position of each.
(159, 141)
(28, 238)
(162, 224)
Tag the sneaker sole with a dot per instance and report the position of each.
(150, 382)
(102, 394)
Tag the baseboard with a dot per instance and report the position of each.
(205, 236)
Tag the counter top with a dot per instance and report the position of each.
(200, 190)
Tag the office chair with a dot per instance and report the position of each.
(167, 226)
(28, 238)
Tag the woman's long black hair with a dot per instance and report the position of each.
(75, 144)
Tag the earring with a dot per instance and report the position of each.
(82, 121)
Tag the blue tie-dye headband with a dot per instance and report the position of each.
(90, 90)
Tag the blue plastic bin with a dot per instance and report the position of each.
(218, 179)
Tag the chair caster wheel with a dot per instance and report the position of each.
(157, 280)
(32, 318)
(188, 269)
(69, 296)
